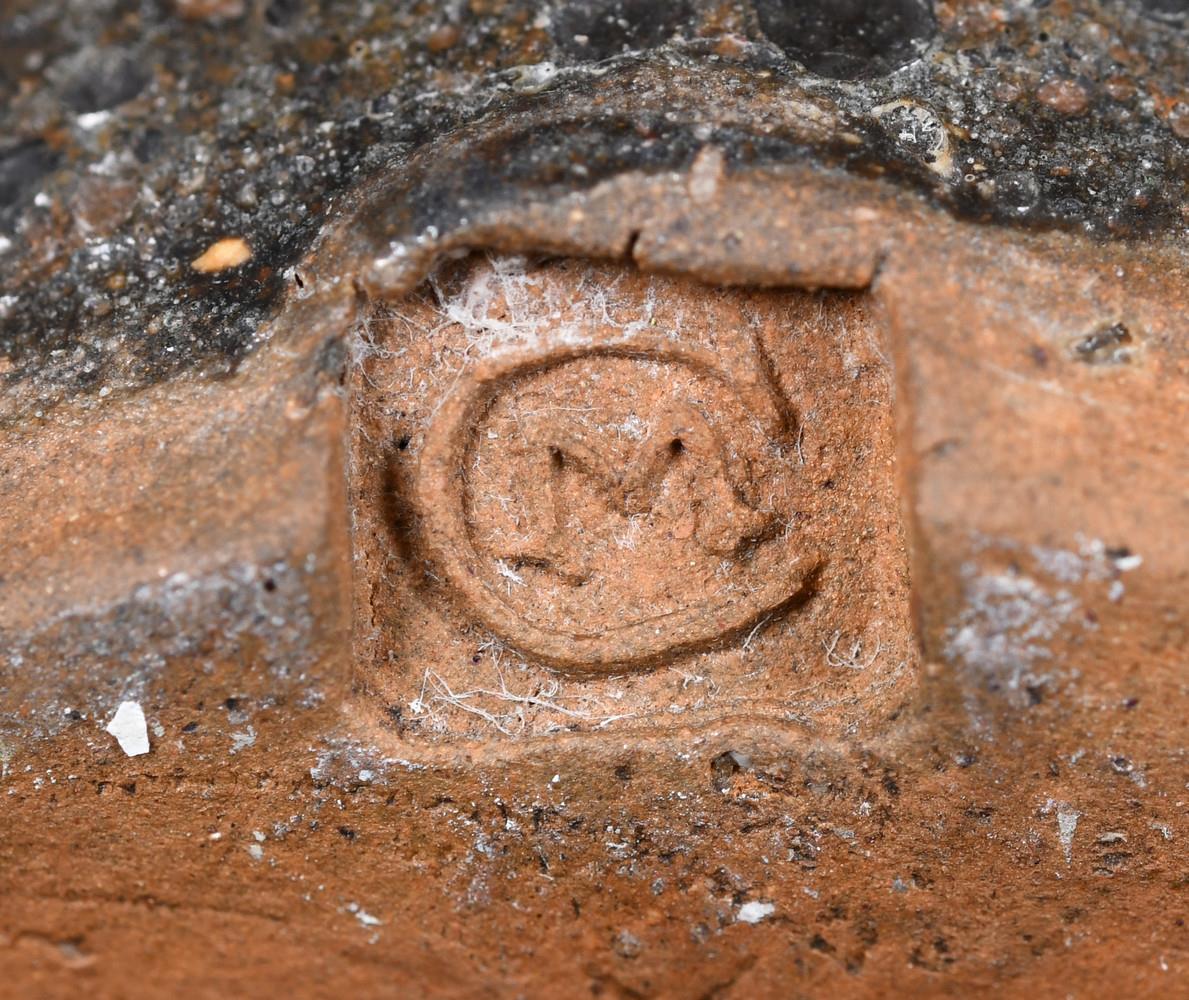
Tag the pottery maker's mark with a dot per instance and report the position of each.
(604, 508)
(681, 444)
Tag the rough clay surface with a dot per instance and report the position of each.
(996, 192)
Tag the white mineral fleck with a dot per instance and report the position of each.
(1067, 825)
(365, 918)
(129, 729)
(753, 913)
(243, 740)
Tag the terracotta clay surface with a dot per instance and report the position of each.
(410, 793)
(593, 499)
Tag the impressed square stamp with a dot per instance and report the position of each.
(589, 499)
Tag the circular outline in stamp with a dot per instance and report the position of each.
(706, 624)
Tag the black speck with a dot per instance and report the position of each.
(600, 29)
(22, 166)
(819, 943)
(1108, 346)
(723, 769)
(848, 39)
(1121, 765)
(100, 79)
(280, 12)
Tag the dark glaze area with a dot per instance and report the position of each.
(132, 137)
